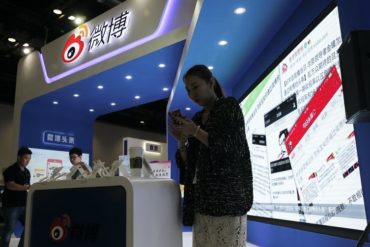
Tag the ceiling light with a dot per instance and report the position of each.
(210, 67)
(113, 104)
(55, 102)
(161, 65)
(239, 11)
(26, 45)
(128, 77)
(222, 42)
(79, 20)
(188, 108)
(142, 122)
(57, 11)
(71, 17)
(91, 110)
(100, 87)
(76, 95)
(12, 39)
(165, 89)
(26, 50)
(137, 97)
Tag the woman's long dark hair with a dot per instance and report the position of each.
(204, 73)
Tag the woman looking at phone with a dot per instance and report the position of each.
(214, 163)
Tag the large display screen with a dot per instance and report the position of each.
(43, 162)
(304, 156)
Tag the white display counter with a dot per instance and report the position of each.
(114, 211)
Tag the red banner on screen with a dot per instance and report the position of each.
(315, 106)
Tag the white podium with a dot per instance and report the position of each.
(114, 211)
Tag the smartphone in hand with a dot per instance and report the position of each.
(174, 115)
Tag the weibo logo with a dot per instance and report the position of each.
(75, 45)
(284, 68)
(59, 228)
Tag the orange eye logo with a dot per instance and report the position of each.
(72, 49)
(74, 45)
(58, 230)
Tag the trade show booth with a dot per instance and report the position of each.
(107, 64)
(278, 58)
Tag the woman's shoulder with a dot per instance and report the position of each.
(227, 102)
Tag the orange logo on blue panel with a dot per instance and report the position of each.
(75, 44)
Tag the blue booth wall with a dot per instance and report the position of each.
(34, 121)
(353, 15)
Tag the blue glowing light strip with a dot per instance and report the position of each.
(162, 29)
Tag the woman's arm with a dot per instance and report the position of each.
(201, 135)
(182, 149)
(189, 128)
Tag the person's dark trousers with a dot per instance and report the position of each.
(11, 216)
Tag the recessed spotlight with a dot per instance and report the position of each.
(26, 45)
(113, 104)
(137, 97)
(57, 11)
(188, 108)
(71, 17)
(100, 87)
(128, 77)
(12, 39)
(165, 89)
(142, 122)
(161, 65)
(91, 110)
(55, 102)
(76, 95)
(222, 42)
(79, 20)
(210, 67)
(239, 11)
(26, 50)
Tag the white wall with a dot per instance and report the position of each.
(108, 140)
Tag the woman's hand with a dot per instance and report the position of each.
(176, 132)
(186, 127)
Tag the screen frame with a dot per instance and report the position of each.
(322, 229)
